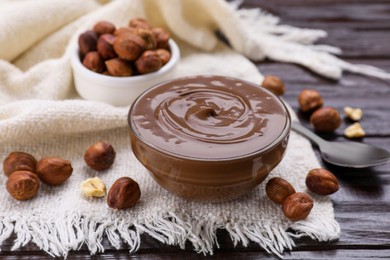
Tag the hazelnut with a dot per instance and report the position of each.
(354, 114)
(19, 161)
(148, 62)
(53, 170)
(162, 37)
(105, 46)
(325, 119)
(100, 156)
(297, 206)
(354, 131)
(123, 194)
(94, 62)
(119, 67)
(321, 182)
(148, 36)
(164, 55)
(87, 42)
(139, 23)
(310, 100)
(129, 46)
(125, 30)
(278, 189)
(93, 187)
(104, 27)
(23, 185)
(274, 84)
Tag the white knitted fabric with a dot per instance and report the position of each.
(40, 113)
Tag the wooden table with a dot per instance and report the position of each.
(362, 206)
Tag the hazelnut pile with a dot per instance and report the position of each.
(297, 205)
(24, 174)
(135, 49)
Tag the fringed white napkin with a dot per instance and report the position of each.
(41, 114)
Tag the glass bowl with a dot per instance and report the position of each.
(208, 138)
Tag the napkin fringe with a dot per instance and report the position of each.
(265, 37)
(58, 236)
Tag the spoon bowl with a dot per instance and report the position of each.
(345, 154)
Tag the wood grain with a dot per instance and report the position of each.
(361, 28)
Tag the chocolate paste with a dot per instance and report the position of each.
(208, 117)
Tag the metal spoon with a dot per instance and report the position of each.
(346, 154)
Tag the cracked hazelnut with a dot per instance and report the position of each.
(321, 182)
(119, 67)
(123, 194)
(164, 55)
(354, 131)
(139, 23)
(148, 62)
(297, 206)
(354, 114)
(105, 46)
(87, 42)
(129, 46)
(94, 62)
(23, 185)
(93, 187)
(310, 100)
(104, 27)
(274, 84)
(100, 156)
(54, 170)
(278, 189)
(19, 161)
(325, 119)
(162, 37)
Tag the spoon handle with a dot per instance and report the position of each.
(296, 126)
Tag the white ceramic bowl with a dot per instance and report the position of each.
(119, 91)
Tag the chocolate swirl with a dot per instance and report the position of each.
(208, 117)
(211, 115)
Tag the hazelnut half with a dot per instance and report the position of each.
(104, 27)
(53, 170)
(23, 185)
(278, 189)
(321, 182)
(297, 206)
(87, 42)
(119, 67)
(129, 46)
(19, 161)
(354, 114)
(274, 84)
(93, 187)
(123, 194)
(354, 131)
(310, 100)
(105, 46)
(325, 119)
(148, 62)
(100, 156)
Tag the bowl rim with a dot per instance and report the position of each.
(284, 133)
(86, 73)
